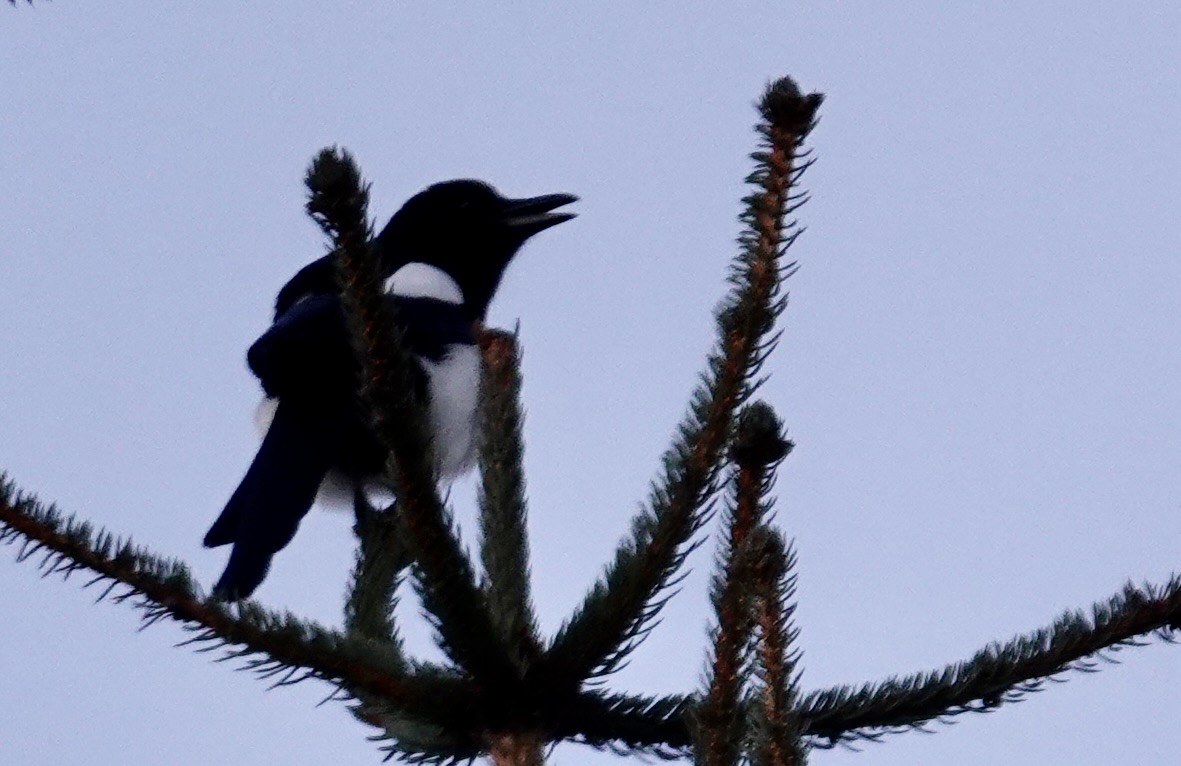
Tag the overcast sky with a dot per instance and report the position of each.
(980, 366)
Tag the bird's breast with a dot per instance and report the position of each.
(453, 390)
(453, 383)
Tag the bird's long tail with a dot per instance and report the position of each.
(264, 512)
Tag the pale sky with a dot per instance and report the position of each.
(979, 367)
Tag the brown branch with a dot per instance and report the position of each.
(777, 732)
(504, 542)
(515, 749)
(615, 614)
(338, 201)
(758, 447)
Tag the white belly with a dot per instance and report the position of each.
(454, 383)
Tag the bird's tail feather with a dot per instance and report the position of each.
(265, 510)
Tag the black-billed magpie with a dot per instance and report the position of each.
(442, 256)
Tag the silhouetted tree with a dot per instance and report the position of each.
(507, 692)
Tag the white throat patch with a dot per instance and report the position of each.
(421, 280)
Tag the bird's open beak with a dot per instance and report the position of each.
(534, 214)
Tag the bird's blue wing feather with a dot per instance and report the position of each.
(429, 326)
(307, 350)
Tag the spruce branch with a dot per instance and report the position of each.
(382, 557)
(757, 448)
(439, 714)
(337, 201)
(626, 724)
(998, 673)
(620, 609)
(776, 730)
(276, 646)
(451, 732)
(504, 545)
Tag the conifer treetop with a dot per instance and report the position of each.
(507, 691)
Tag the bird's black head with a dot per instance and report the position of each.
(468, 230)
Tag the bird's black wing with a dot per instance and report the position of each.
(307, 350)
(306, 360)
(277, 491)
(317, 278)
(429, 326)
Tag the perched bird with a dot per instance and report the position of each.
(442, 256)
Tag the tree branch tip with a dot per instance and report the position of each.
(332, 165)
(335, 186)
(759, 438)
(497, 344)
(785, 107)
